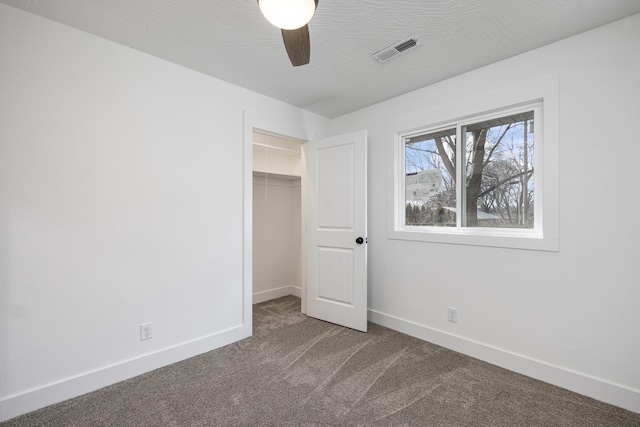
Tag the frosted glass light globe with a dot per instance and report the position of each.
(288, 14)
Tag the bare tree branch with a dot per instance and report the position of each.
(425, 151)
(504, 181)
(445, 159)
(495, 146)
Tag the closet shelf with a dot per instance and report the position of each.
(263, 173)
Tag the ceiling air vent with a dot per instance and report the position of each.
(397, 48)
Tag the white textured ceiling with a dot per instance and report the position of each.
(230, 40)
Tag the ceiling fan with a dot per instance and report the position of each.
(292, 16)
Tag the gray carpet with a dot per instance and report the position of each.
(298, 371)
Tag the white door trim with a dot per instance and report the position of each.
(256, 121)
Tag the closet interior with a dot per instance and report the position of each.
(277, 249)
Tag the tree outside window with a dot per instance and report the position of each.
(496, 163)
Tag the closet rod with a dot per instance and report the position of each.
(277, 148)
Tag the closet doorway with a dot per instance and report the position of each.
(277, 217)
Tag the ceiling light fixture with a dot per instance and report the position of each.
(288, 14)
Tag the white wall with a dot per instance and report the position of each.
(276, 237)
(121, 202)
(569, 317)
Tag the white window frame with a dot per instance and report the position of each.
(540, 96)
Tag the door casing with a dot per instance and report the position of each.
(258, 122)
(253, 121)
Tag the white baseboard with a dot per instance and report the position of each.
(283, 291)
(84, 383)
(605, 391)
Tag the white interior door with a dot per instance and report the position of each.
(337, 230)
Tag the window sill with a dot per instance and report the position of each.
(474, 237)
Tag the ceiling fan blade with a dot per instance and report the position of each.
(298, 45)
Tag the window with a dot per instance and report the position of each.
(480, 179)
(496, 162)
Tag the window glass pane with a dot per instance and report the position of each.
(430, 186)
(499, 172)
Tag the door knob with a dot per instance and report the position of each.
(359, 240)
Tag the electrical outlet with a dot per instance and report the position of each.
(145, 331)
(452, 315)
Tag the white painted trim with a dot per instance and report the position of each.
(296, 291)
(256, 121)
(247, 219)
(280, 292)
(49, 394)
(605, 391)
(546, 90)
(303, 229)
